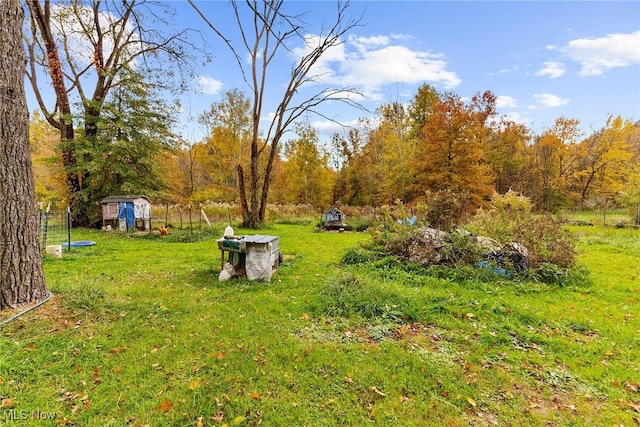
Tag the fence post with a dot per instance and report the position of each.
(69, 227)
(46, 230)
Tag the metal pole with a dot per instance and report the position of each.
(69, 227)
(46, 229)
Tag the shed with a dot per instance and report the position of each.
(333, 220)
(126, 212)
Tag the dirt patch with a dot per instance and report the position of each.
(54, 313)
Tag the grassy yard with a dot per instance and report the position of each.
(140, 332)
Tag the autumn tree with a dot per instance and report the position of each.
(47, 168)
(228, 142)
(361, 178)
(265, 30)
(339, 156)
(87, 49)
(450, 152)
(306, 173)
(21, 274)
(554, 158)
(396, 148)
(604, 158)
(505, 152)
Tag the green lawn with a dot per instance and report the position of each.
(140, 332)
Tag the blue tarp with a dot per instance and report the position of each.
(126, 212)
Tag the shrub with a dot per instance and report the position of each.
(445, 209)
(510, 219)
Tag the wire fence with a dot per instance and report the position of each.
(55, 231)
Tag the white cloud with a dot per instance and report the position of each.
(504, 101)
(364, 44)
(602, 54)
(552, 69)
(76, 27)
(209, 86)
(369, 63)
(548, 100)
(518, 118)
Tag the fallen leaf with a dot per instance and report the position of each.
(165, 406)
(118, 349)
(7, 403)
(375, 390)
(221, 355)
(471, 402)
(238, 420)
(632, 386)
(194, 384)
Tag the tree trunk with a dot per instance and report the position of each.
(61, 118)
(243, 197)
(21, 274)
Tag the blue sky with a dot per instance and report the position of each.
(542, 59)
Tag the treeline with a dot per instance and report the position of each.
(436, 145)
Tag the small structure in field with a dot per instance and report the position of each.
(333, 219)
(126, 212)
(255, 257)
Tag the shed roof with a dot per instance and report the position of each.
(126, 198)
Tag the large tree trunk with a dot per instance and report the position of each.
(21, 274)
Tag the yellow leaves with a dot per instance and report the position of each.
(471, 402)
(194, 384)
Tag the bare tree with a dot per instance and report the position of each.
(88, 48)
(269, 31)
(21, 274)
